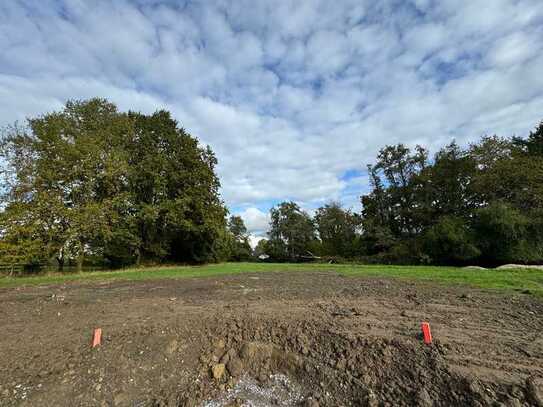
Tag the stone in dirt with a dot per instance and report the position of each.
(311, 402)
(172, 347)
(534, 387)
(235, 366)
(218, 371)
(424, 399)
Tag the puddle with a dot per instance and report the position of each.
(279, 390)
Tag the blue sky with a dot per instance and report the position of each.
(295, 97)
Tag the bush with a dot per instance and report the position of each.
(504, 235)
(450, 241)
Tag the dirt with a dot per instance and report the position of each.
(273, 339)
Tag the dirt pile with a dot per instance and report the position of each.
(338, 369)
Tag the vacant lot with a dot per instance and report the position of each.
(328, 336)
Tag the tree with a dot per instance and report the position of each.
(450, 241)
(533, 145)
(495, 185)
(176, 210)
(92, 181)
(240, 248)
(337, 230)
(504, 235)
(445, 186)
(505, 174)
(390, 211)
(292, 232)
(66, 158)
(261, 248)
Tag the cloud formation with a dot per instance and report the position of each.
(291, 95)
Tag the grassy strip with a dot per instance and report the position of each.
(515, 279)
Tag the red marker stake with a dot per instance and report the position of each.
(97, 337)
(427, 333)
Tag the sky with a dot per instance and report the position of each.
(294, 96)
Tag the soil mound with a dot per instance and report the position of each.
(331, 369)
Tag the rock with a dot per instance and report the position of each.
(249, 350)
(220, 344)
(311, 402)
(120, 399)
(172, 346)
(341, 364)
(371, 399)
(423, 399)
(218, 371)
(253, 353)
(225, 358)
(513, 402)
(235, 366)
(534, 388)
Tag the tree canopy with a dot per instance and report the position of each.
(91, 182)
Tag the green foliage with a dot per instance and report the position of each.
(337, 229)
(261, 248)
(174, 192)
(240, 248)
(482, 204)
(90, 181)
(503, 235)
(394, 181)
(533, 145)
(292, 232)
(449, 241)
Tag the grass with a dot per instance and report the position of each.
(514, 279)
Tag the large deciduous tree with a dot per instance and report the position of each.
(92, 181)
(337, 229)
(292, 232)
(240, 247)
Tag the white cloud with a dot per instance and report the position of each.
(256, 221)
(290, 95)
(515, 48)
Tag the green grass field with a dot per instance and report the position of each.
(516, 279)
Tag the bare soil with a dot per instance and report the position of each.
(286, 339)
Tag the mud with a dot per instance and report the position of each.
(285, 339)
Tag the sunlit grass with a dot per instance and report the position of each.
(513, 279)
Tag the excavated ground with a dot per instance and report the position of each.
(269, 339)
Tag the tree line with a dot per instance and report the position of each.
(482, 204)
(90, 185)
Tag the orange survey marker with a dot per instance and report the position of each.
(426, 332)
(96, 337)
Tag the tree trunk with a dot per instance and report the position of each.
(60, 264)
(60, 260)
(80, 257)
(138, 257)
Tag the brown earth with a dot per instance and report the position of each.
(312, 339)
